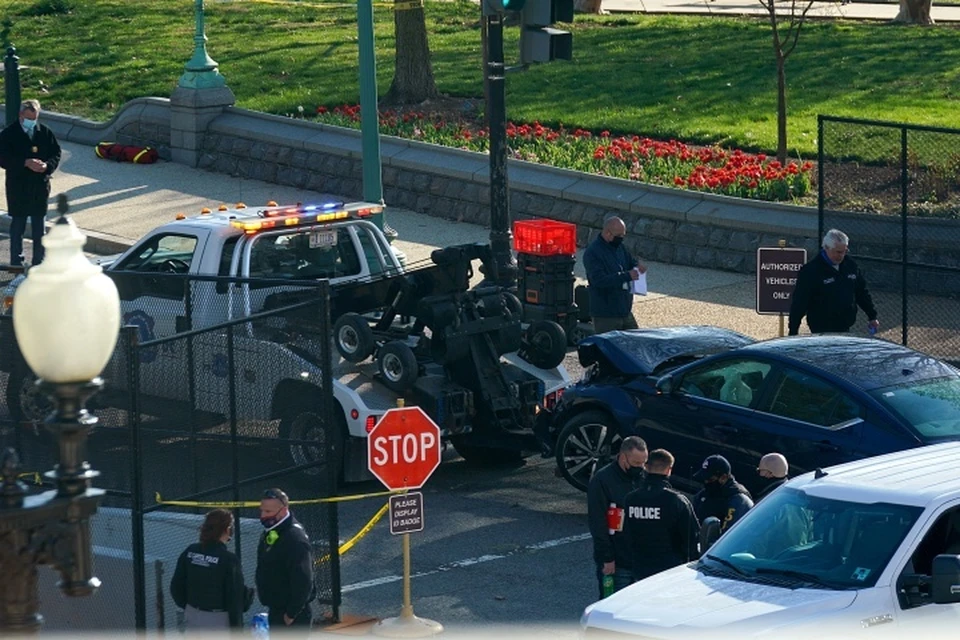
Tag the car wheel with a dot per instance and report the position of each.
(25, 401)
(353, 337)
(304, 422)
(546, 344)
(398, 366)
(586, 443)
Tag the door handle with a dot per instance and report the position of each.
(826, 446)
(725, 428)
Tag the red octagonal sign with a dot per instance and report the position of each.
(404, 448)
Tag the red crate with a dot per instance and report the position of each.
(544, 237)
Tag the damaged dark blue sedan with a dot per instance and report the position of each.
(697, 391)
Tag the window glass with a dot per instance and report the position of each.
(163, 254)
(931, 407)
(736, 382)
(814, 542)
(307, 255)
(226, 258)
(370, 253)
(805, 397)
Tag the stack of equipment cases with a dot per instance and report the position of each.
(546, 255)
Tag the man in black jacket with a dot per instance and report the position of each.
(722, 496)
(661, 527)
(611, 271)
(606, 495)
(30, 153)
(829, 289)
(284, 566)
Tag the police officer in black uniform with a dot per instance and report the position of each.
(829, 289)
(722, 496)
(661, 527)
(284, 566)
(610, 486)
(208, 582)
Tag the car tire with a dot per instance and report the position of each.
(398, 366)
(353, 337)
(486, 456)
(587, 442)
(546, 344)
(304, 421)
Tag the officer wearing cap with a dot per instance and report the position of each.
(284, 566)
(721, 496)
(661, 527)
(772, 471)
(606, 494)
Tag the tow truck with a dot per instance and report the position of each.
(401, 332)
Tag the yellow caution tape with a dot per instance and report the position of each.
(346, 546)
(32, 474)
(243, 504)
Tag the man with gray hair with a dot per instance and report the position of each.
(30, 153)
(829, 289)
(611, 271)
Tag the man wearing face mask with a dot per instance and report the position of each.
(611, 271)
(284, 566)
(722, 496)
(772, 471)
(30, 153)
(606, 497)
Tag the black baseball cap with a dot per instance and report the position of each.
(715, 465)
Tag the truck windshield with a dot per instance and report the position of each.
(931, 407)
(795, 540)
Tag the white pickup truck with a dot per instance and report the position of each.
(866, 549)
(279, 379)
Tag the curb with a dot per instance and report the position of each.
(98, 242)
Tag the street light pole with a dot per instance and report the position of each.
(66, 316)
(201, 70)
(495, 77)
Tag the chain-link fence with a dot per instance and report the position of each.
(209, 397)
(895, 190)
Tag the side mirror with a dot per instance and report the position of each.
(665, 385)
(709, 532)
(913, 590)
(946, 579)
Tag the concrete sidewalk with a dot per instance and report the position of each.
(831, 10)
(117, 203)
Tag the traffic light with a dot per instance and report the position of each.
(493, 7)
(539, 42)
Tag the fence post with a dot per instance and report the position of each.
(904, 183)
(131, 345)
(11, 80)
(820, 163)
(326, 393)
(161, 603)
(235, 463)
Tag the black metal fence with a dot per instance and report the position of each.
(208, 399)
(895, 190)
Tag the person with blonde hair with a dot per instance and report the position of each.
(208, 582)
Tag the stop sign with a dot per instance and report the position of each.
(404, 448)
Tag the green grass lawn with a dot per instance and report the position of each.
(695, 79)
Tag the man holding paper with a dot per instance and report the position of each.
(612, 274)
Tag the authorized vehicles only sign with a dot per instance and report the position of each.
(777, 277)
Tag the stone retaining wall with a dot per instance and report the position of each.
(664, 224)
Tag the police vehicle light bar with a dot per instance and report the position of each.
(273, 217)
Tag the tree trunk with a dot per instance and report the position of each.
(914, 12)
(413, 80)
(781, 109)
(587, 6)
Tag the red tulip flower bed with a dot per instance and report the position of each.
(668, 163)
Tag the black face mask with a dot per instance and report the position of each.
(763, 483)
(635, 472)
(713, 488)
(616, 241)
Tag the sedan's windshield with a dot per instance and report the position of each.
(931, 407)
(797, 540)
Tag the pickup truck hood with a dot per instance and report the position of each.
(682, 603)
(641, 351)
